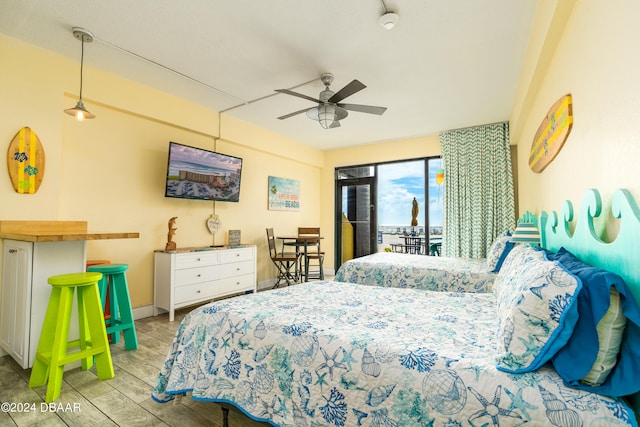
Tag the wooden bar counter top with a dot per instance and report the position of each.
(56, 231)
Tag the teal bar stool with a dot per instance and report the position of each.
(52, 352)
(114, 284)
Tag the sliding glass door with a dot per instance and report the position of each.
(375, 209)
(355, 214)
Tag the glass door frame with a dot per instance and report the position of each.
(372, 182)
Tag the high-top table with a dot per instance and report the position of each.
(32, 252)
(300, 242)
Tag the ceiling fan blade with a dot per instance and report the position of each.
(299, 95)
(286, 116)
(348, 90)
(364, 108)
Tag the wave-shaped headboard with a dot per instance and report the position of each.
(620, 256)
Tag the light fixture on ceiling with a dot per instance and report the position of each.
(326, 115)
(389, 19)
(329, 115)
(79, 111)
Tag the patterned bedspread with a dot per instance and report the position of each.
(394, 270)
(334, 354)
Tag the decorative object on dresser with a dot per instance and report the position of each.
(234, 237)
(195, 275)
(171, 245)
(213, 222)
(25, 161)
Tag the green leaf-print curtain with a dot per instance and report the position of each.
(479, 196)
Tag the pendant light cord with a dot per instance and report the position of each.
(81, 65)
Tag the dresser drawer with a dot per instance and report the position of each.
(234, 255)
(236, 269)
(237, 284)
(196, 259)
(197, 292)
(188, 276)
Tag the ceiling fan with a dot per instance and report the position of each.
(330, 110)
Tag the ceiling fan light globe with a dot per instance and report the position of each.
(326, 115)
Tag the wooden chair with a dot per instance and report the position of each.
(283, 261)
(314, 253)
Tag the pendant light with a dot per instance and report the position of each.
(79, 111)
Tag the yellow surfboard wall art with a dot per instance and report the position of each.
(551, 134)
(25, 161)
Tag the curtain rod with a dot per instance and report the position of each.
(476, 126)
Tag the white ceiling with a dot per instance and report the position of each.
(447, 64)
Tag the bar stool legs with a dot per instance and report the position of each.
(114, 284)
(52, 352)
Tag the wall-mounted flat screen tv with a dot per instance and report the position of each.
(194, 173)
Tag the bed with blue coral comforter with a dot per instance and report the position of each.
(343, 354)
(431, 273)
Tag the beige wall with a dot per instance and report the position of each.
(110, 171)
(587, 48)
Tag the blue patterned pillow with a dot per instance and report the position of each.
(534, 315)
(518, 258)
(498, 251)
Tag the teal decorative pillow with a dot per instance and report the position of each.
(498, 251)
(534, 315)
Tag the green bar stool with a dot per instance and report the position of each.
(52, 353)
(105, 307)
(114, 284)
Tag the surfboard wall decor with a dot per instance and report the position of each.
(25, 161)
(551, 134)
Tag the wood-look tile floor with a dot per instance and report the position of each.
(124, 400)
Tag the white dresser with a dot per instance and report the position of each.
(196, 275)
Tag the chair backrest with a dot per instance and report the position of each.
(272, 243)
(310, 233)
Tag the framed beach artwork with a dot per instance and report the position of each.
(284, 194)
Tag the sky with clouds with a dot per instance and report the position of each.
(398, 184)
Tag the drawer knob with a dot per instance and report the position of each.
(238, 269)
(199, 275)
(237, 254)
(198, 291)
